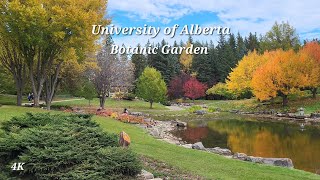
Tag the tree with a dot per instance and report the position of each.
(45, 29)
(251, 42)
(13, 61)
(140, 62)
(282, 36)
(220, 91)
(175, 88)
(186, 59)
(106, 73)
(88, 91)
(312, 50)
(194, 89)
(151, 86)
(279, 76)
(239, 80)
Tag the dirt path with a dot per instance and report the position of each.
(175, 108)
(67, 100)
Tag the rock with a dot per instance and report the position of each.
(124, 139)
(221, 151)
(189, 146)
(198, 146)
(136, 113)
(315, 115)
(146, 175)
(284, 162)
(240, 156)
(281, 115)
(155, 132)
(200, 112)
(181, 124)
(234, 111)
(292, 115)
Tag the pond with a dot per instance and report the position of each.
(259, 138)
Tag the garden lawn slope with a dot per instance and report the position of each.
(208, 165)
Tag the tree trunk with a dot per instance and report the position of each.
(314, 93)
(19, 97)
(19, 88)
(151, 102)
(51, 83)
(284, 100)
(89, 103)
(102, 101)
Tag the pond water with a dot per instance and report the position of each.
(259, 138)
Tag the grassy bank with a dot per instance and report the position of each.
(208, 165)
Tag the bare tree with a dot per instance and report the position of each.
(106, 72)
(114, 71)
(13, 61)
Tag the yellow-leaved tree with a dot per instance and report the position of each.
(186, 59)
(239, 80)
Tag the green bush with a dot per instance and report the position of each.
(128, 96)
(220, 92)
(64, 147)
(193, 109)
(212, 109)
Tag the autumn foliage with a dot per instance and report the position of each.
(194, 89)
(175, 89)
(277, 73)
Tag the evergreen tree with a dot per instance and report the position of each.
(140, 62)
(241, 47)
(252, 42)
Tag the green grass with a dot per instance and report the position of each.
(208, 165)
(113, 103)
(10, 99)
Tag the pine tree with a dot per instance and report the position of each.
(140, 62)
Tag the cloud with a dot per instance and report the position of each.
(241, 15)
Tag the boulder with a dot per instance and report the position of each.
(234, 111)
(198, 146)
(240, 156)
(189, 146)
(284, 162)
(181, 124)
(221, 151)
(136, 113)
(145, 175)
(315, 115)
(155, 132)
(200, 112)
(124, 139)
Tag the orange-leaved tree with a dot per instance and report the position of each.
(310, 55)
(279, 76)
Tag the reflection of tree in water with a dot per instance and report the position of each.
(267, 139)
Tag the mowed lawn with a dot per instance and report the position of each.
(208, 165)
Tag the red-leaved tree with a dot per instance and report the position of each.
(194, 89)
(175, 89)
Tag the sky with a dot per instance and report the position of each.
(241, 16)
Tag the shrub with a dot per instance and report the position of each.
(193, 109)
(212, 109)
(64, 147)
(129, 96)
(220, 91)
(118, 95)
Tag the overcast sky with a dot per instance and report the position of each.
(242, 16)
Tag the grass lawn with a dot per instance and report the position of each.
(113, 103)
(208, 165)
(309, 104)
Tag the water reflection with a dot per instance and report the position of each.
(260, 138)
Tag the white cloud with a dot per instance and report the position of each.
(241, 15)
